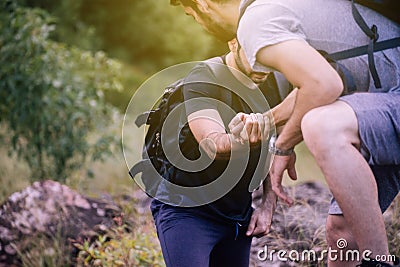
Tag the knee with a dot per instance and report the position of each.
(320, 130)
(334, 231)
(317, 129)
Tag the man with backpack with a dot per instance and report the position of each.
(354, 138)
(214, 232)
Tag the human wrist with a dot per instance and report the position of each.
(269, 199)
(275, 149)
(268, 203)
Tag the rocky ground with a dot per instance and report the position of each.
(55, 211)
(295, 229)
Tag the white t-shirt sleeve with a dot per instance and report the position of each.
(264, 24)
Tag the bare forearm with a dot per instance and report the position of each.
(217, 144)
(269, 197)
(221, 145)
(209, 131)
(282, 112)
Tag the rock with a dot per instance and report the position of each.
(51, 209)
(296, 228)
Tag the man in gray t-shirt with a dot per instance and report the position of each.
(354, 139)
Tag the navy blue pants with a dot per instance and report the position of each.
(189, 239)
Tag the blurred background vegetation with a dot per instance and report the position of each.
(67, 72)
(145, 36)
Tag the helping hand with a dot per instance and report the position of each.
(250, 127)
(279, 165)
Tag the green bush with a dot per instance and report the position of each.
(122, 248)
(131, 242)
(51, 95)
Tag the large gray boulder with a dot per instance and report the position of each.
(50, 209)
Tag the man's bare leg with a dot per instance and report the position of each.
(331, 134)
(337, 228)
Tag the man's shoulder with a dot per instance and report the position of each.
(262, 12)
(210, 71)
(201, 72)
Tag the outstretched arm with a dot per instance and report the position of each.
(282, 112)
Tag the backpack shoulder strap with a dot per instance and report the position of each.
(362, 50)
(373, 35)
(373, 46)
(233, 85)
(219, 71)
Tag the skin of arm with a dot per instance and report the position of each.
(209, 131)
(317, 82)
(282, 112)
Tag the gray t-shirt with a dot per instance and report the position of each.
(326, 25)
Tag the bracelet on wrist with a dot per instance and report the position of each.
(277, 151)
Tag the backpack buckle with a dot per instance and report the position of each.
(375, 35)
(144, 118)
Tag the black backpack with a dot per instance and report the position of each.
(154, 163)
(153, 154)
(388, 8)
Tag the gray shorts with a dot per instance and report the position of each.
(378, 116)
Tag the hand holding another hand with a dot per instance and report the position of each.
(252, 127)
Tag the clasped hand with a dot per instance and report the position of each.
(252, 127)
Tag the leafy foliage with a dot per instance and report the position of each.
(51, 95)
(130, 242)
(149, 34)
(70, 27)
(121, 248)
